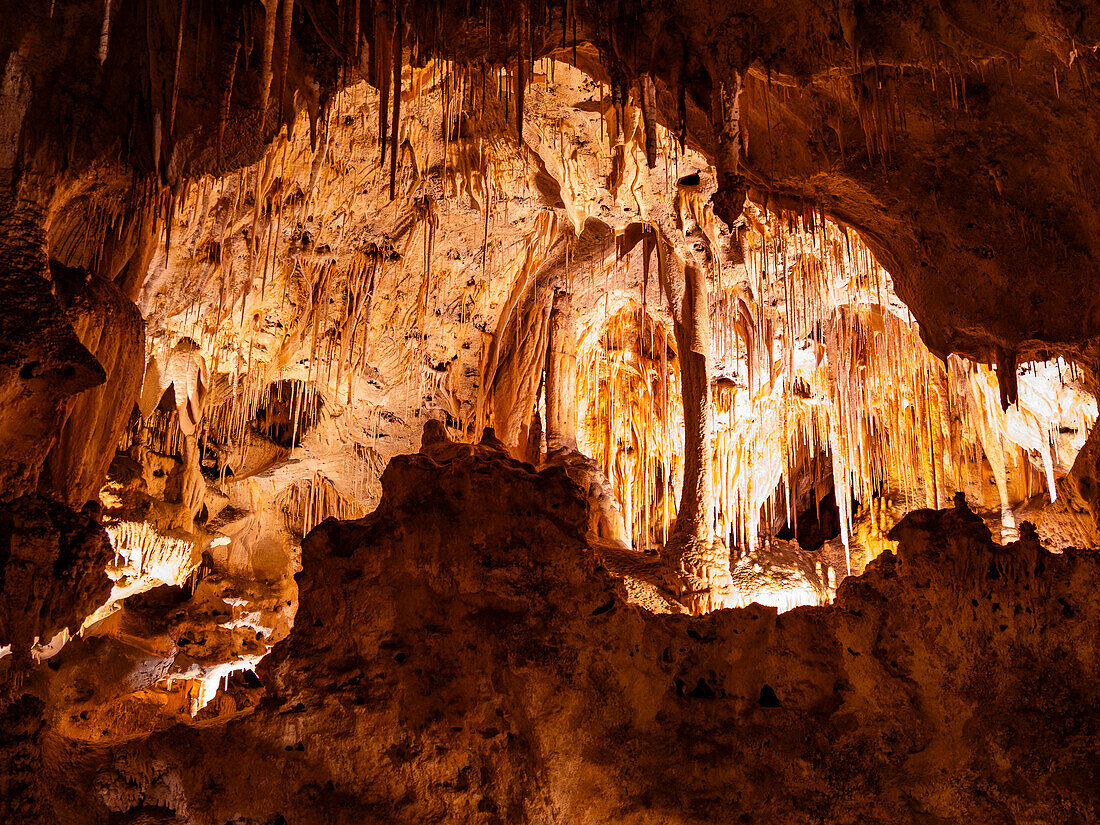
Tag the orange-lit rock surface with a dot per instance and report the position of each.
(687, 306)
(460, 655)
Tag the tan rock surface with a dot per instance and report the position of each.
(476, 664)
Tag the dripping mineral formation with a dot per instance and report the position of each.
(549, 412)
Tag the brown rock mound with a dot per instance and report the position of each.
(460, 656)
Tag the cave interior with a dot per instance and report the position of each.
(549, 411)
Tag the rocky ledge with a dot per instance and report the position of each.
(461, 655)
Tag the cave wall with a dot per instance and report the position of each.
(460, 656)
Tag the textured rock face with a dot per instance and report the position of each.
(110, 326)
(461, 656)
(42, 361)
(52, 575)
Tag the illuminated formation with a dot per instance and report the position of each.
(517, 411)
(822, 386)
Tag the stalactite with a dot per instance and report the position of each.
(1006, 377)
(284, 52)
(177, 68)
(522, 51)
(383, 38)
(395, 149)
(649, 119)
(271, 8)
(356, 18)
(104, 32)
(730, 197)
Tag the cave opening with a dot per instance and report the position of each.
(815, 523)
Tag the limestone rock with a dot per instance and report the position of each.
(52, 563)
(463, 663)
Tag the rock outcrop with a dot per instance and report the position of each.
(111, 328)
(42, 361)
(460, 656)
(52, 570)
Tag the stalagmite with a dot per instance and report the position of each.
(700, 559)
(561, 375)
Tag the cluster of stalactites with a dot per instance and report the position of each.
(325, 304)
(251, 266)
(307, 502)
(837, 366)
(141, 551)
(815, 358)
(632, 418)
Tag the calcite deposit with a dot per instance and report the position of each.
(51, 571)
(461, 655)
(548, 411)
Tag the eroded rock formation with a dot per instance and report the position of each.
(465, 662)
(52, 564)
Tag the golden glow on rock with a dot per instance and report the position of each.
(815, 356)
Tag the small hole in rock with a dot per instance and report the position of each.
(768, 699)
